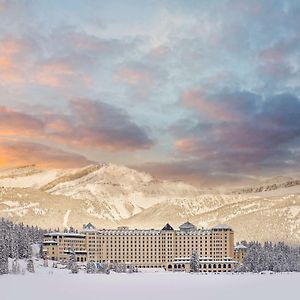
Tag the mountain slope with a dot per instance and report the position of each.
(110, 195)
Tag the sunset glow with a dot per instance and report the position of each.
(202, 91)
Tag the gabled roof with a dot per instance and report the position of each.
(187, 225)
(89, 226)
(167, 227)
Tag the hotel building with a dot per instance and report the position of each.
(166, 248)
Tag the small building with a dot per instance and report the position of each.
(57, 245)
(239, 252)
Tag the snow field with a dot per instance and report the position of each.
(50, 284)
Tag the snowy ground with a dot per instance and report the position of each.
(50, 284)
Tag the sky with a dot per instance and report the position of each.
(202, 91)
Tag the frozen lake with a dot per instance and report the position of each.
(162, 285)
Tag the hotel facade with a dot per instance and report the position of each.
(166, 248)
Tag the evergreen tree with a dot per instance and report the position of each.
(30, 266)
(41, 252)
(74, 268)
(270, 257)
(45, 262)
(194, 262)
(72, 258)
(103, 268)
(72, 265)
(91, 267)
(19, 238)
(3, 257)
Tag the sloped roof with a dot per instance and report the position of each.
(187, 225)
(89, 226)
(167, 227)
(240, 246)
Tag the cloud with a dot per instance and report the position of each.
(10, 51)
(89, 125)
(135, 75)
(55, 74)
(17, 123)
(225, 107)
(16, 153)
(204, 53)
(140, 78)
(101, 125)
(241, 132)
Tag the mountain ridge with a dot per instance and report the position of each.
(112, 195)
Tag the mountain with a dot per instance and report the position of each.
(110, 195)
(269, 185)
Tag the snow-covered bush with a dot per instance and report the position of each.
(15, 267)
(103, 268)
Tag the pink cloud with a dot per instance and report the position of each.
(54, 74)
(89, 125)
(134, 75)
(10, 50)
(207, 106)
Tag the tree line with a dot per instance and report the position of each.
(16, 241)
(276, 257)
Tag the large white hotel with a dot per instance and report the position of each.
(166, 248)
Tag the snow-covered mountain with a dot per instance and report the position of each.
(269, 185)
(111, 195)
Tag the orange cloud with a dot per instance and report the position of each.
(11, 46)
(8, 70)
(90, 125)
(9, 67)
(16, 153)
(16, 123)
(185, 144)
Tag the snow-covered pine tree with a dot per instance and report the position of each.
(72, 258)
(194, 262)
(103, 268)
(30, 266)
(3, 257)
(271, 257)
(16, 267)
(91, 267)
(41, 252)
(72, 265)
(74, 268)
(45, 262)
(18, 238)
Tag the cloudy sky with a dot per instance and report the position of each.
(204, 91)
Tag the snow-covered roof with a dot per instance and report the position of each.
(167, 227)
(187, 225)
(65, 234)
(89, 227)
(221, 226)
(50, 242)
(240, 246)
